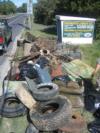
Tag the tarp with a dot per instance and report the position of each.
(77, 69)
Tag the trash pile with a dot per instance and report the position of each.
(45, 70)
(44, 52)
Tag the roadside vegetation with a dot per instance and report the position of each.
(45, 11)
(91, 53)
(40, 30)
(8, 7)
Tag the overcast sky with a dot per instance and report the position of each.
(19, 2)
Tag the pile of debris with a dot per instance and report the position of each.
(45, 51)
(45, 70)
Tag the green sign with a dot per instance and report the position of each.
(78, 29)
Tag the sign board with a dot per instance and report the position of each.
(29, 7)
(80, 29)
(75, 30)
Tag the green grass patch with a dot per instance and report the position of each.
(90, 53)
(13, 125)
(40, 30)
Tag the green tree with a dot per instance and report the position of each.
(22, 8)
(7, 7)
(45, 10)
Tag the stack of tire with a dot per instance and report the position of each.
(52, 112)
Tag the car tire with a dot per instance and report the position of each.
(11, 106)
(31, 129)
(45, 91)
(51, 115)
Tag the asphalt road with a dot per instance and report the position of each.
(17, 24)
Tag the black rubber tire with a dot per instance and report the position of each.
(45, 120)
(6, 110)
(89, 102)
(94, 126)
(96, 114)
(31, 129)
(45, 91)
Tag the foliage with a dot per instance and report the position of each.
(7, 7)
(22, 8)
(98, 29)
(44, 10)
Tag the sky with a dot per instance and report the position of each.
(19, 2)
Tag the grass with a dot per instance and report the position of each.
(40, 30)
(15, 125)
(91, 53)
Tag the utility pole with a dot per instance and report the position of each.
(30, 13)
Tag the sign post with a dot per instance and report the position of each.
(30, 13)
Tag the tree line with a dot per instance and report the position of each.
(8, 7)
(45, 10)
